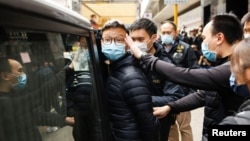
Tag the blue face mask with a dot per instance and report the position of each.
(167, 39)
(211, 56)
(21, 82)
(113, 52)
(240, 90)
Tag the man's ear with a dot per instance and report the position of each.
(154, 37)
(4, 76)
(247, 74)
(220, 38)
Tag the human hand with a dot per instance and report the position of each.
(161, 112)
(134, 49)
(71, 65)
(70, 121)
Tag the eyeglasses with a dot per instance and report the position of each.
(117, 41)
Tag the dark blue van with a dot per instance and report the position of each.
(48, 40)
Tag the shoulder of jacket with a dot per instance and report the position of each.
(242, 118)
(128, 72)
(226, 63)
(184, 44)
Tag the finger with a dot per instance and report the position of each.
(128, 40)
(156, 113)
(155, 108)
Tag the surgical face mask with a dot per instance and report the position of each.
(113, 52)
(21, 82)
(142, 46)
(167, 39)
(211, 56)
(240, 90)
(246, 35)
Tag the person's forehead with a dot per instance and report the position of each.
(247, 25)
(207, 29)
(167, 26)
(139, 33)
(82, 38)
(114, 32)
(15, 66)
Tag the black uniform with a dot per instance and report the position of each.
(184, 56)
(164, 91)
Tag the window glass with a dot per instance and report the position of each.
(36, 110)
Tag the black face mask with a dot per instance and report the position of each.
(240, 90)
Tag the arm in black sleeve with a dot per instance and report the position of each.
(69, 77)
(207, 79)
(68, 72)
(171, 92)
(8, 125)
(43, 118)
(189, 102)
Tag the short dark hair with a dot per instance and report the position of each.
(229, 25)
(114, 24)
(5, 66)
(144, 23)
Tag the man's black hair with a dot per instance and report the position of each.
(146, 24)
(229, 25)
(113, 24)
(5, 66)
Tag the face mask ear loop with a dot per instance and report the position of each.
(11, 82)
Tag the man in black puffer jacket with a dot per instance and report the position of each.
(128, 94)
(144, 32)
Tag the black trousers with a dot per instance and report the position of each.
(166, 123)
(82, 128)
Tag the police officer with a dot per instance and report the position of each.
(184, 56)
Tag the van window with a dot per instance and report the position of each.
(53, 91)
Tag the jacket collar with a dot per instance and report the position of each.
(126, 60)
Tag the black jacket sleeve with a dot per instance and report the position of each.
(171, 92)
(7, 120)
(189, 102)
(206, 79)
(37, 96)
